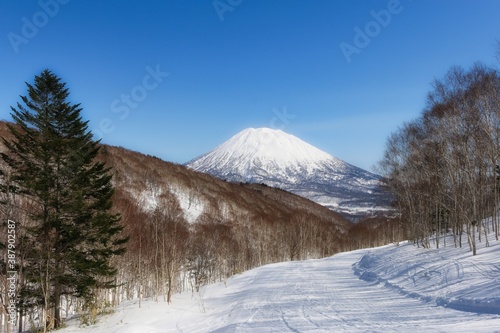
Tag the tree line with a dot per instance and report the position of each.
(85, 241)
(443, 168)
(59, 199)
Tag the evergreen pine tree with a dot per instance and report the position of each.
(73, 233)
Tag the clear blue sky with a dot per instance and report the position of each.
(234, 64)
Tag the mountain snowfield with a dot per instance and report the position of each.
(278, 159)
(395, 288)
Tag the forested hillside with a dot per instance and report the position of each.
(187, 229)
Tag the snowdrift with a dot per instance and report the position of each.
(449, 277)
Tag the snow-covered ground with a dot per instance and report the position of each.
(387, 289)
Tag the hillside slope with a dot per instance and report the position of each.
(189, 228)
(153, 183)
(150, 184)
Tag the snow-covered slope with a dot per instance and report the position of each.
(449, 277)
(282, 160)
(388, 289)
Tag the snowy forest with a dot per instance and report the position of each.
(444, 167)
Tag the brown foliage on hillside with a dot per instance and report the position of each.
(187, 228)
(221, 228)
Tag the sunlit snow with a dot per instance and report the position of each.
(191, 204)
(389, 289)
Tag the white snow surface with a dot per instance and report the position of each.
(191, 204)
(267, 147)
(149, 199)
(388, 289)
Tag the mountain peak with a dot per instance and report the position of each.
(263, 147)
(279, 159)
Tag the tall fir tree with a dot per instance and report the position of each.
(73, 233)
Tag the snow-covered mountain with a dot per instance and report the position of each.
(278, 159)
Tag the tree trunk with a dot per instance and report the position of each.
(57, 305)
(473, 238)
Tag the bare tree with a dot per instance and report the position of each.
(442, 166)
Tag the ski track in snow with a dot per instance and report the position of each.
(388, 289)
